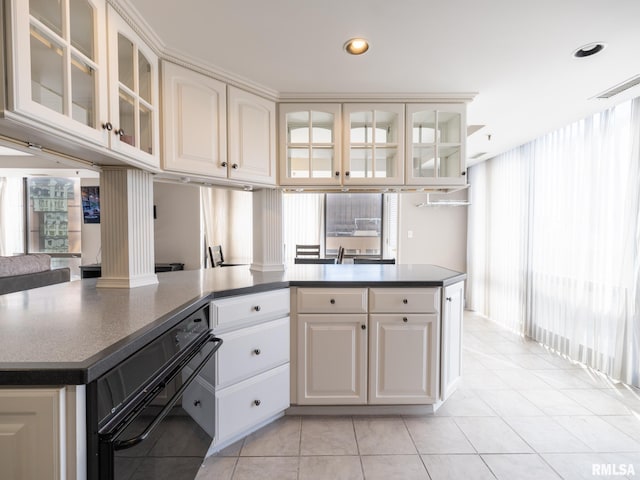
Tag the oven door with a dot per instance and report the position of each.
(152, 434)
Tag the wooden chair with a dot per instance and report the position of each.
(340, 254)
(385, 261)
(314, 260)
(308, 251)
(215, 254)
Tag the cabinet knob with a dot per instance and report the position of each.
(405, 319)
(224, 164)
(257, 351)
(196, 403)
(107, 126)
(463, 173)
(257, 403)
(363, 327)
(332, 301)
(119, 132)
(347, 173)
(448, 299)
(234, 166)
(337, 174)
(405, 301)
(257, 308)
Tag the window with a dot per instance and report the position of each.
(353, 221)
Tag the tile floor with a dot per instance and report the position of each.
(521, 412)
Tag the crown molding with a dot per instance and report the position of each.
(137, 22)
(454, 97)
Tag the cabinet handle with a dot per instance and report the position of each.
(234, 166)
(224, 164)
(107, 126)
(196, 403)
(347, 173)
(257, 403)
(363, 327)
(257, 351)
(337, 174)
(332, 301)
(405, 319)
(119, 132)
(257, 308)
(448, 299)
(405, 301)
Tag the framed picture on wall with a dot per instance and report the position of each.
(90, 204)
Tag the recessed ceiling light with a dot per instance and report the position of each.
(356, 46)
(589, 49)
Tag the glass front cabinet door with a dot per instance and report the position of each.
(309, 143)
(59, 66)
(373, 144)
(435, 138)
(133, 79)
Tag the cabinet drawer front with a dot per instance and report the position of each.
(332, 300)
(198, 401)
(252, 350)
(246, 309)
(404, 300)
(247, 403)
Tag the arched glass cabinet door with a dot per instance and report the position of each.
(60, 65)
(309, 144)
(134, 95)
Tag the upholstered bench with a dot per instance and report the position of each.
(23, 272)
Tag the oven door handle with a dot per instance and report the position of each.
(131, 442)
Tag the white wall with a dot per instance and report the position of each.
(178, 229)
(90, 232)
(439, 234)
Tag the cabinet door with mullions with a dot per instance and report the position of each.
(59, 66)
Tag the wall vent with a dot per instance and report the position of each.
(627, 84)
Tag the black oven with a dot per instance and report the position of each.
(140, 396)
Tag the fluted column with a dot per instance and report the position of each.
(126, 216)
(267, 231)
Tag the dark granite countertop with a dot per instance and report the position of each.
(72, 333)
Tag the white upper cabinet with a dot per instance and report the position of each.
(373, 144)
(252, 138)
(310, 144)
(194, 123)
(436, 137)
(59, 65)
(80, 74)
(134, 97)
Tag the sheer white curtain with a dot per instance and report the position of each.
(303, 221)
(228, 221)
(554, 240)
(11, 216)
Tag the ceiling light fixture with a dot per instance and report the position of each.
(589, 49)
(356, 46)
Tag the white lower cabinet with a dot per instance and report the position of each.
(452, 315)
(333, 359)
(403, 358)
(38, 433)
(387, 355)
(247, 382)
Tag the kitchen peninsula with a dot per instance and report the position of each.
(69, 335)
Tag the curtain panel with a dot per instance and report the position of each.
(554, 240)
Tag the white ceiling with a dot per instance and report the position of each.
(516, 55)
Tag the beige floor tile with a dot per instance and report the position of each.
(562, 378)
(437, 435)
(383, 436)
(217, 468)
(280, 438)
(328, 436)
(465, 403)
(497, 361)
(554, 402)
(597, 401)
(330, 468)
(629, 424)
(531, 362)
(457, 467)
(576, 466)
(598, 434)
(266, 468)
(491, 435)
(545, 435)
(232, 450)
(519, 467)
(387, 467)
(519, 379)
(482, 380)
(509, 403)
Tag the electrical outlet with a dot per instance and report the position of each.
(409, 233)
